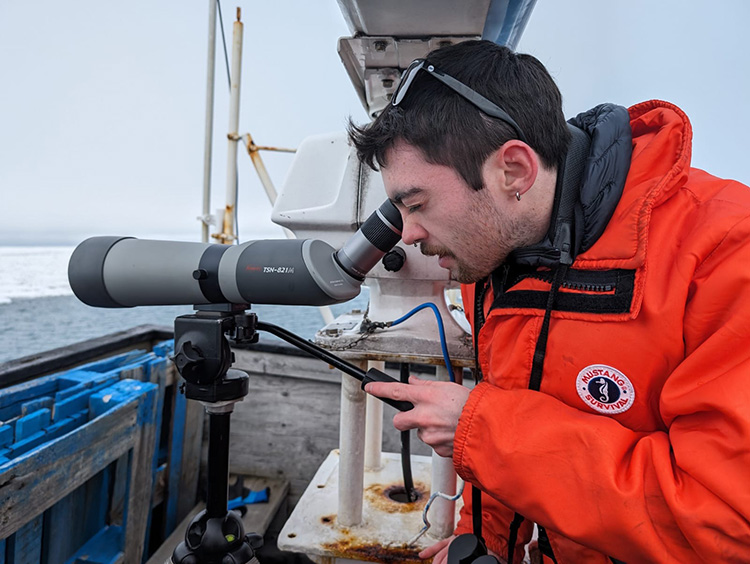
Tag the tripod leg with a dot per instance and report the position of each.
(218, 464)
(217, 535)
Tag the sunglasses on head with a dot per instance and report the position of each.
(489, 108)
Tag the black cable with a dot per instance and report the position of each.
(411, 495)
(312, 349)
(372, 375)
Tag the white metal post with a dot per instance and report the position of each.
(443, 512)
(233, 134)
(351, 451)
(374, 426)
(209, 127)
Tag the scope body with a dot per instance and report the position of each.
(125, 272)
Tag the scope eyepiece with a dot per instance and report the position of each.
(378, 234)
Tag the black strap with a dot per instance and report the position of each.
(476, 512)
(545, 547)
(480, 289)
(513, 535)
(565, 241)
(535, 383)
(537, 367)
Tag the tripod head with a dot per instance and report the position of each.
(203, 355)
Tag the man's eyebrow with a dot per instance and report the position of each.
(401, 195)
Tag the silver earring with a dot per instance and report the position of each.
(518, 196)
(416, 245)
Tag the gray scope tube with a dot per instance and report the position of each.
(119, 272)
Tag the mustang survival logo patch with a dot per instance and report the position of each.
(605, 389)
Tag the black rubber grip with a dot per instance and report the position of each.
(375, 375)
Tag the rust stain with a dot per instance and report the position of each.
(377, 496)
(349, 548)
(328, 519)
(253, 149)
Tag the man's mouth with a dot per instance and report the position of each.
(444, 261)
(444, 256)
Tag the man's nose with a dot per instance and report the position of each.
(412, 232)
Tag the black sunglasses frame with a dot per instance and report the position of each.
(468, 94)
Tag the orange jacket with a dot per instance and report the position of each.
(637, 447)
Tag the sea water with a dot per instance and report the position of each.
(38, 311)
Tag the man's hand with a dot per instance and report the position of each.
(439, 550)
(437, 406)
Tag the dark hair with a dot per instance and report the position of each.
(451, 131)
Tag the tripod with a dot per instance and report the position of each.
(203, 358)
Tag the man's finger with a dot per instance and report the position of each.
(414, 381)
(435, 548)
(388, 390)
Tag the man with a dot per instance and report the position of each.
(608, 286)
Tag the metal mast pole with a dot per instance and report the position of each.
(208, 143)
(233, 134)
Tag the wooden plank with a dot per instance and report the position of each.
(75, 519)
(105, 547)
(141, 478)
(284, 429)
(25, 546)
(164, 553)
(63, 358)
(64, 528)
(289, 421)
(191, 455)
(155, 375)
(283, 365)
(36, 481)
(27, 391)
(32, 423)
(259, 515)
(120, 477)
(176, 443)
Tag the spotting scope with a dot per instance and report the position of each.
(125, 272)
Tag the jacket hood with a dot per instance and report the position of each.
(590, 183)
(662, 138)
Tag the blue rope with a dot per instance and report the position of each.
(443, 343)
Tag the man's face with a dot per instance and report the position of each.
(467, 229)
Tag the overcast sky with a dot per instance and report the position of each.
(102, 104)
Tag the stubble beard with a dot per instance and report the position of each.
(487, 243)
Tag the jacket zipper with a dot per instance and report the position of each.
(569, 285)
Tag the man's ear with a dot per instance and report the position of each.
(512, 169)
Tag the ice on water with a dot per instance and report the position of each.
(33, 272)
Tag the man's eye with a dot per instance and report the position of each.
(412, 209)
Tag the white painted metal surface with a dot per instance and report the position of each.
(233, 133)
(442, 511)
(352, 448)
(374, 426)
(209, 122)
(314, 528)
(397, 18)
